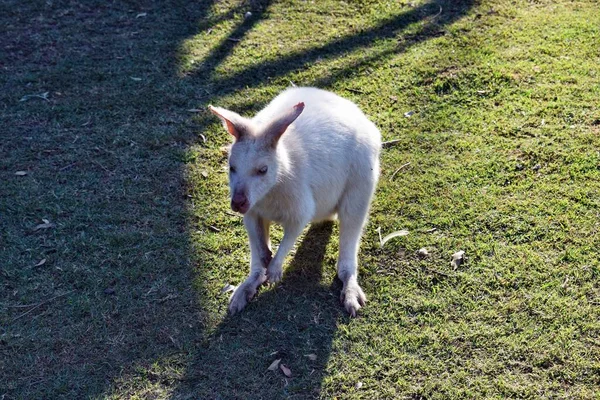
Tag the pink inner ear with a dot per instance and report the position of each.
(279, 126)
(227, 124)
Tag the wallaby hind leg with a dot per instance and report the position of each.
(352, 213)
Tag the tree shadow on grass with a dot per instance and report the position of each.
(435, 14)
(296, 319)
(113, 292)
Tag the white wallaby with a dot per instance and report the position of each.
(306, 157)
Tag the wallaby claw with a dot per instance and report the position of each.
(274, 274)
(353, 298)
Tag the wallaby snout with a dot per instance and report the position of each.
(239, 202)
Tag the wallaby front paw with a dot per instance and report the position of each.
(353, 298)
(240, 297)
(274, 273)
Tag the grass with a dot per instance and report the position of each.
(504, 164)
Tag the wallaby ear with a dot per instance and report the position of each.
(278, 126)
(232, 122)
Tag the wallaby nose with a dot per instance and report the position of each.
(240, 203)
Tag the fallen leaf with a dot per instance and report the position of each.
(204, 174)
(274, 365)
(392, 235)
(46, 225)
(286, 371)
(227, 288)
(408, 114)
(422, 252)
(42, 262)
(109, 291)
(457, 259)
(135, 78)
(311, 357)
(358, 385)
(213, 228)
(21, 173)
(41, 96)
(44, 220)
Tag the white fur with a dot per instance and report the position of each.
(325, 163)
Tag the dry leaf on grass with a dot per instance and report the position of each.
(46, 225)
(274, 365)
(392, 235)
(21, 173)
(43, 96)
(422, 252)
(358, 385)
(227, 288)
(286, 371)
(42, 262)
(457, 259)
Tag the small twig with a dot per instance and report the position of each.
(438, 272)
(355, 90)
(168, 297)
(41, 304)
(390, 142)
(102, 166)
(22, 305)
(213, 228)
(398, 170)
(68, 166)
(234, 39)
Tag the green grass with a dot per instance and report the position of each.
(504, 160)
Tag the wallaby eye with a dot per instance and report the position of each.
(262, 170)
(232, 169)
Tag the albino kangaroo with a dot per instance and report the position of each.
(306, 157)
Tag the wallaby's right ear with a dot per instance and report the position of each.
(232, 122)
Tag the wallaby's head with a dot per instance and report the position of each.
(253, 159)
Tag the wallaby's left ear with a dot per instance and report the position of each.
(278, 126)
